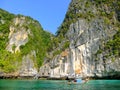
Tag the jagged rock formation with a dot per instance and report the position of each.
(23, 45)
(28, 66)
(18, 35)
(89, 25)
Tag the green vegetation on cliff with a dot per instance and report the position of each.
(38, 41)
(106, 10)
(5, 20)
(5, 56)
(88, 10)
(113, 46)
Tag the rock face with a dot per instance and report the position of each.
(28, 66)
(80, 59)
(23, 45)
(87, 37)
(58, 67)
(86, 40)
(18, 36)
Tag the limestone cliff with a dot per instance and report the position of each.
(18, 36)
(89, 26)
(23, 45)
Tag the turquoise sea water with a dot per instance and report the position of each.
(58, 85)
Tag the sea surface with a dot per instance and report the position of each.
(58, 85)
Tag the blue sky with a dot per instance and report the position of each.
(50, 13)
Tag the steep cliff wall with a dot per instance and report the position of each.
(19, 36)
(23, 45)
(89, 26)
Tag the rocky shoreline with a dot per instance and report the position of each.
(11, 76)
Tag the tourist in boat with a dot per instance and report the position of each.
(78, 81)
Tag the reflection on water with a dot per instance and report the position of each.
(58, 85)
